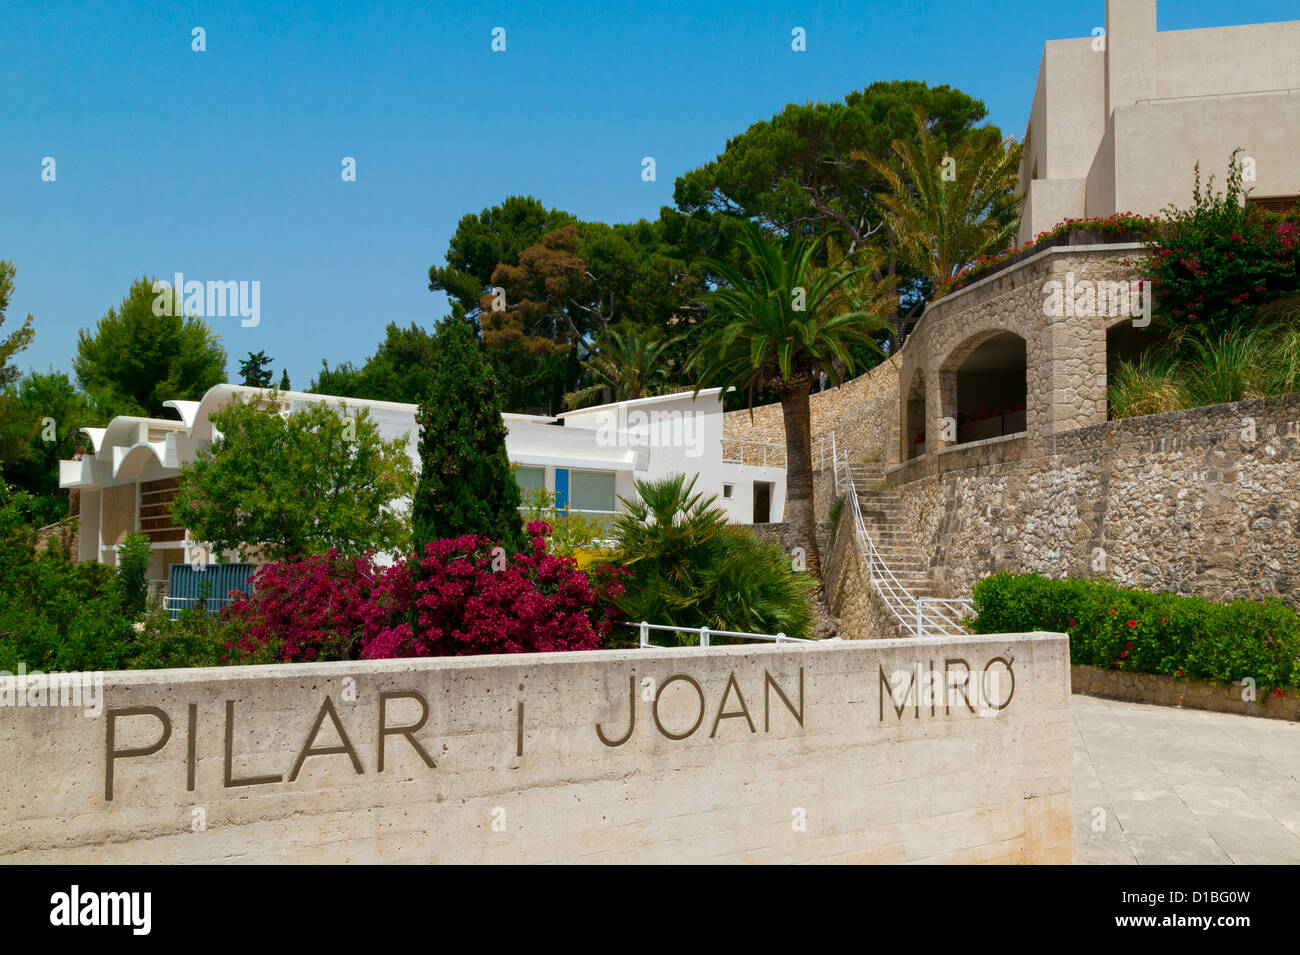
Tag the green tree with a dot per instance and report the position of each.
(774, 325)
(284, 380)
(344, 380)
(631, 364)
(255, 371)
(18, 339)
(466, 486)
(490, 238)
(947, 207)
(41, 418)
(397, 371)
(795, 172)
(136, 359)
(289, 485)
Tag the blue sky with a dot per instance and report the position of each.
(225, 164)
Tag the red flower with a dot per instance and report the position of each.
(1113, 611)
(1180, 671)
(1128, 646)
(1132, 623)
(1123, 653)
(1278, 691)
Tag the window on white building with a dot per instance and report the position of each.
(591, 490)
(728, 490)
(530, 479)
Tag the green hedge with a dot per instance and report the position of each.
(1114, 628)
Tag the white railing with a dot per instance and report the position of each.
(921, 616)
(704, 633)
(212, 604)
(767, 454)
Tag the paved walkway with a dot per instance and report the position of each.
(1175, 785)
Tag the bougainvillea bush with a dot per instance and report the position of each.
(466, 597)
(1221, 259)
(306, 609)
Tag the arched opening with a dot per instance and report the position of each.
(913, 427)
(991, 386)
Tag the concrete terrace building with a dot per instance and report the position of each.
(588, 459)
(1118, 122)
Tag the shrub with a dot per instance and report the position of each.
(132, 583)
(1149, 385)
(1220, 259)
(1230, 369)
(196, 638)
(465, 597)
(308, 609)
(690, 568)
(1117, 628)
(571, 531)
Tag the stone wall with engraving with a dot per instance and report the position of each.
(845, 752)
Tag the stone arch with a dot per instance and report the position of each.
(984, 386)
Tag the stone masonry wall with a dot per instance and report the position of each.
(1204, 501)
(859, 412)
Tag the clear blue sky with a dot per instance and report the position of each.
(225, 164)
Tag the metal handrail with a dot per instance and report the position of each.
(705, 633)
(896, 596)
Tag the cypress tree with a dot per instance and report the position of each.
(466, 485)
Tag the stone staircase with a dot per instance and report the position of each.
(882, 515)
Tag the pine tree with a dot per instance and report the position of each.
(466, 485)
(284, 380)
(254, 370)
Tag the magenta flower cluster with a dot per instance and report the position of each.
(467, 597)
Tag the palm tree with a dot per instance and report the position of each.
(630, 365)
(946, 211)
(773, 326)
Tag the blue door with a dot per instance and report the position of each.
(561, 489)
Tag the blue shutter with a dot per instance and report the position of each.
(561, 489)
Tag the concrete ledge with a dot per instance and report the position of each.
(807, 753)
(1192, 694)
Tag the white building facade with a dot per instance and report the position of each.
(588, 459)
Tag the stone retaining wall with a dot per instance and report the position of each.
(1171, 691)
(1205, 502)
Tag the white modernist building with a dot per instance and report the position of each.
(588, 459)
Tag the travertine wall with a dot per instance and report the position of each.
(1205, 501)
(733, 754)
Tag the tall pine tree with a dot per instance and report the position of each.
(466, 486)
